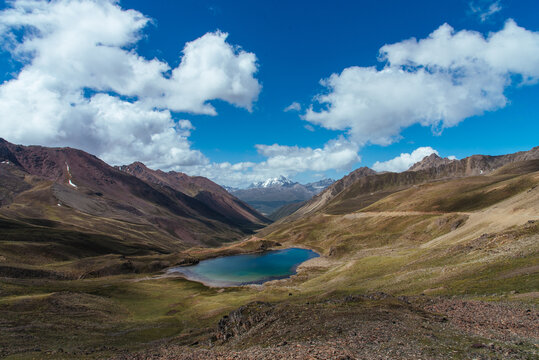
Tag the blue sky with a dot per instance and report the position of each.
(296, 45)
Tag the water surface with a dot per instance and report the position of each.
(246, 269)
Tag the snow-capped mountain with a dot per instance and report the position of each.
(273, 182)
(269, 195)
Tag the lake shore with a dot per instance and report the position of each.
(246, 269)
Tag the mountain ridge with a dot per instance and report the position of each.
(81, 189)
(365, 186)
(201, 188)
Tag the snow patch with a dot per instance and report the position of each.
(278, 181)
(69, 173)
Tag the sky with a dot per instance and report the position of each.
(241, 91)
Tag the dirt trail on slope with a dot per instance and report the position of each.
(514, 211)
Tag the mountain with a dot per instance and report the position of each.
(79, 206)
(204, 190)
(433, 160)
(472, 165)
(273, 182)
(285, 210)
(440, 262)
(270, 195)
(318, 186)
(364, 186)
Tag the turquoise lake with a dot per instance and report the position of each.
(246, 269)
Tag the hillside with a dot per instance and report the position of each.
(204, 190)
(364, 186)
(63, 204)
(285, 210)
(435, 263)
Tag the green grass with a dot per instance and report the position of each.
(116, 311)
(364, 252)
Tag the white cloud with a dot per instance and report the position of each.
(295, 106)
(80, 65)
(404, 160)
(484, 12)
(281, 160)
(309, 127)
(438, 82)
(211, 69)
(336, 154)
(82, 84)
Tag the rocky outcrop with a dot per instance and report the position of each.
(432, 160)
(241, 320)
(472, 165)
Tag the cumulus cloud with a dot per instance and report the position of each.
(295, 106)
(437, 82)
(484, 12)
(83, 84)
(404, 160)
(337, 154)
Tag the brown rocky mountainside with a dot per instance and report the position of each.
(472, 165)
(437, 263)
(202, 189)
(432, 160)
(71, 190)
(365, 186)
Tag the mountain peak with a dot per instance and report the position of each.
(433, 160)
(136, 167)
(273, 182)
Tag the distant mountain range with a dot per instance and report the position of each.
(273, 182)
(270, 195)
(279, 197)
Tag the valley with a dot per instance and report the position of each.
(437, 262)
(274, 180)
(279, 197)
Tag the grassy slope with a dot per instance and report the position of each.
(448, 237)
(420, 246)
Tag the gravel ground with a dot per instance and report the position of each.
(368, 327)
